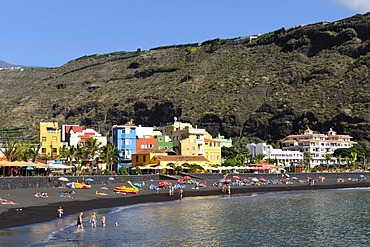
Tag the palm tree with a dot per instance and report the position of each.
(339, 161)
(64, 153)
(13, 150)
(353, 160)
(92, 149)
(328, 157)
(33, 151)
(75, 154)
(307, 161)
(109, 154)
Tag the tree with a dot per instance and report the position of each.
(328, 158)
(307, 161)
(92, 149)
(353, 159)
(12, 150)
(109, 154)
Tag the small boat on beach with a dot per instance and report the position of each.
(126, 190)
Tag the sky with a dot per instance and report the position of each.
(52, 32)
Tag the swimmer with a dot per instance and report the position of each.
(103, 221)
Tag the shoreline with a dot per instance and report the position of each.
(32, 210)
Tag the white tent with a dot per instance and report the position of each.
(60, 166)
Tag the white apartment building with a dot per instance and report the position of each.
(318, 145)
(283, 157)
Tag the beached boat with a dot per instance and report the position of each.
(80, 185)
(126, 190)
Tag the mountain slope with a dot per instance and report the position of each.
(280, 83)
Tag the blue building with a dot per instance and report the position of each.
(124, 138)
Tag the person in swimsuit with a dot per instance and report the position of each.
(79, 222)
(103, 221)
(60, 212)
(93, 220)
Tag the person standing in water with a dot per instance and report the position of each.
(181, 191)
(60, 212)
(103, 221)
(79, 222)
(93, 220)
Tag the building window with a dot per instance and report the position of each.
(144, 158)
(160, 139)
(43, 139)
(137, 158)
(53, 150)
(54, 139)
(43, 150)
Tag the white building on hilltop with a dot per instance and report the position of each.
(283, 157)
(318, 145)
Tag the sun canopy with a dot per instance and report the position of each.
(60, 166)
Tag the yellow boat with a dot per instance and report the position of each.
(81, 185)
(126, 190)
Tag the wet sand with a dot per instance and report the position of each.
(30, 209)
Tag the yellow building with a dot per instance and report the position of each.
(212, 151)
(49, 139)
(167, 162)
(145, 157)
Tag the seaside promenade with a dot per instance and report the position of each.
(26, 208)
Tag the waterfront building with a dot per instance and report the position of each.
(318, 145)
(283, 157)
(124, 138)
(212, 151)
(186, 140)
(49, 139)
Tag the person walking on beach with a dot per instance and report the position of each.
(60, 212)
(181, 192)
(93, 220)
(79, 222)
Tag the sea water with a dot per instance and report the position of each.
(295, 218)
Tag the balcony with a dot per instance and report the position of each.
(201, 151)
(199, 141)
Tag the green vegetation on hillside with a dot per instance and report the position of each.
(277, 84)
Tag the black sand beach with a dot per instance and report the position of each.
(29, 209)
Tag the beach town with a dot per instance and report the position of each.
(160, 164)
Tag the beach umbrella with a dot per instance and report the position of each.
(187, 177)
(263, 179)
(89, 180)
(227, 180)
(180, 181)
(164, 183)
(64, 179)
(111, 178)
(30, 168)
(104, 188)
(255, 180)
(236, 177)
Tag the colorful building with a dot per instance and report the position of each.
(124, 138)
(164, 142)
(224, 142)
(212, 151)
(49, 139)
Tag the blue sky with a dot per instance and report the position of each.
(53, 32)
